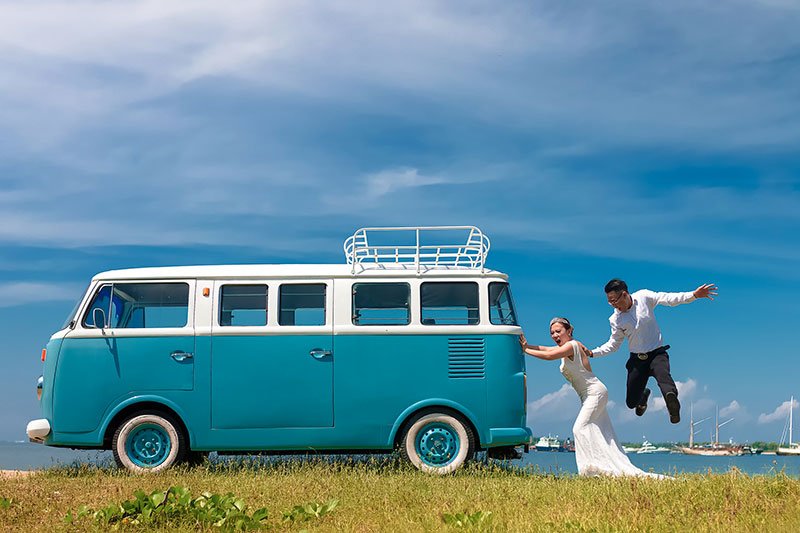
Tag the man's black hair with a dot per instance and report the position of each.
(616, 285)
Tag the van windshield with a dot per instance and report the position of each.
(71, 316)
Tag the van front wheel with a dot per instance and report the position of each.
(148, 443)
(437, 443)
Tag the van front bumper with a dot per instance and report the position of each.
(38, 429)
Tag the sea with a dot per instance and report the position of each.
(29, 456)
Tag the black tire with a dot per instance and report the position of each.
(148, 442)
(437, 441)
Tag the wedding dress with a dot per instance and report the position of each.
(597, 450)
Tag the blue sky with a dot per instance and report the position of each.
(651, 141)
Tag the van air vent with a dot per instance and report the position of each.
(467, 357)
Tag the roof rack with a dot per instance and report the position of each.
(413, 247)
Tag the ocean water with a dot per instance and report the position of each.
(27, 456)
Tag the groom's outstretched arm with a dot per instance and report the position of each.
(612, 345)
(707, 290)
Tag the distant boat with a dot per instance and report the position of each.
(794, 447)
(549, 444)
(714, 449)
(647, 447)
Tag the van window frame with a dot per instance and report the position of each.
(373, 283)
(326, 295)
(475, 284)
(253, 283)
(85, 313)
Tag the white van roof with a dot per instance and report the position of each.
(294, 271)
(387, 252)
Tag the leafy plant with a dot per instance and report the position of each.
(5, 503)
(311, 510)
(476, 520)
(174, 505)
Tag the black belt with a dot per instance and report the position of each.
(644, 355)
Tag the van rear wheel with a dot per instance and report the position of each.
(437, 442)
(148, 442)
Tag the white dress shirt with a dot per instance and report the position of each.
(638, 324)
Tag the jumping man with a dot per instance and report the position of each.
(634, 319)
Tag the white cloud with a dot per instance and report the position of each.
(562, 404)
(730, 409)
(780, 413)
(387, 181)
(686, 390)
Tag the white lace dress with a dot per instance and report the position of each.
(597, 450)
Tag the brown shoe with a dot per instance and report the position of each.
(673, 406)
(642, 407)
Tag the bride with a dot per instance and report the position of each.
(597, 451)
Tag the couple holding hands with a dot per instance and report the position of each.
(597, 451)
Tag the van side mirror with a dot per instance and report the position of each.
(99, 317)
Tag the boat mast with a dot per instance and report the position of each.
(716, 441)
(791, 408)
(692, 424)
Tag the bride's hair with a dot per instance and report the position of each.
(563, 321)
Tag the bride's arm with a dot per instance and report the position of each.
(548, 353)
(524, 343)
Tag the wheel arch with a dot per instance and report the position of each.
(438, 404)
(153, 405)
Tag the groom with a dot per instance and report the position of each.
(634, 319)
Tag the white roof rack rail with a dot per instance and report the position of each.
(416, 248)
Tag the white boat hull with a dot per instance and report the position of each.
(794, 450)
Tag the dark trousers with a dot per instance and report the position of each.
(639, 371)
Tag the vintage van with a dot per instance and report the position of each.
(410, 347)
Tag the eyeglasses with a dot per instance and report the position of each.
(617, 299)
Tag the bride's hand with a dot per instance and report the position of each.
(523, 341)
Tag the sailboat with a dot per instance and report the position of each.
(794, 447)
(715, 449)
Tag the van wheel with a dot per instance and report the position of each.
(148, 443)
(437, 442)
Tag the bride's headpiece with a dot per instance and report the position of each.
(561, 320)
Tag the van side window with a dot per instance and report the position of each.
(142, 305)
(243, 305)
(302, 304)
(100, 301)
(381, 304)
(449, 303)
(501, 307)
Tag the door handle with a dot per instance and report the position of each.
(319, 353)
(181, 356)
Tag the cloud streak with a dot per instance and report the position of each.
(780, 413)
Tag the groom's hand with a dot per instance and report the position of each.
(709, 290)
(586, 351)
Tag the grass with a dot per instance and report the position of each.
(384, 495)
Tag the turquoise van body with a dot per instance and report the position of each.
(331, 385)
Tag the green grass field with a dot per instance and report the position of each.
(387, 496)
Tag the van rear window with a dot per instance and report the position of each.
(449, 303)
(501, 307)
(381, 304)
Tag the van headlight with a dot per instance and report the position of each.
(39, 384)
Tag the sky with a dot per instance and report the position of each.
(652, 141)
